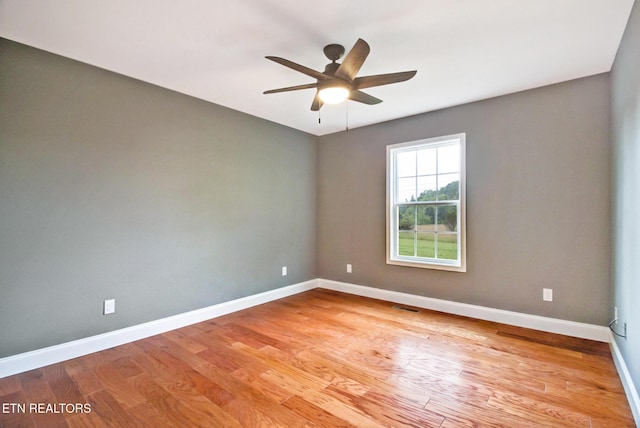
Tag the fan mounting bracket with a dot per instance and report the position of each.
(334, 51)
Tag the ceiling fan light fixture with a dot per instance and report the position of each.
(333, 94)
(340, 81)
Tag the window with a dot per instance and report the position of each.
(426, 203)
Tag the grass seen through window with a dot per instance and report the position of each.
(423, 245)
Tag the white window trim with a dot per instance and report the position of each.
(392, 258)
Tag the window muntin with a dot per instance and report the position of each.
(426, 203)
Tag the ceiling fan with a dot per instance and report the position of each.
(338, 81)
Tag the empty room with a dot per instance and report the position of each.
(296, 214)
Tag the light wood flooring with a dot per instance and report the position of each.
(326, 359)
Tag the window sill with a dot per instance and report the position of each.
(427, 265)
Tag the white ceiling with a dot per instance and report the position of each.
(464, 50)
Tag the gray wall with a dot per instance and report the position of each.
(538, 202)
(625, 94)
(113, 188)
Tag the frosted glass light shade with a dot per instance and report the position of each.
(333, 95)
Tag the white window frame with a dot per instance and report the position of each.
(459, 265)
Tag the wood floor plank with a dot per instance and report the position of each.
(353, 415)
(9, 385)
(249, 403)
(109, 410)
(62, 386)
(547, 412)
(89, 420)
(303, 377)
(185, 341)
(324, 359)
(37, 390)
(470, 415)
(11, 414)
(117, 386)
(182, 413)
(186, 383)
(311, 412)
(386, 409)
(86, 381)
(253, 378)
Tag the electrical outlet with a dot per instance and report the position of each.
(547, 294)
(284, 271)
(109, 306)
(615, 314)
(349, 269)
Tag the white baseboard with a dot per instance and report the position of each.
(54, 354)
(57, 353)
(535, 322)
(627, 382)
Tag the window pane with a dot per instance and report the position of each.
(426, 219)
(406, 218)
(448, 218)
(406, 164)
(427, 188)
(426, 161)
(426, 244)
(449, 159)
(448, 246)
(406, 189)
(425, 236)
(406, 243)
(449, 187)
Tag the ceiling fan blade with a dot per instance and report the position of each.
(382, 79)
(353, 61)
(291, 88)
(297, 67)
(317, 103)
(361, 97)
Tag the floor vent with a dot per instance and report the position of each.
(404, 308)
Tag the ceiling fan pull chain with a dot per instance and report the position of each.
(319, 116)
(347, 116)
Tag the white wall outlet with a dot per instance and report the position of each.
(284, 271)
(615, 314)
(109, 306)
(349, 269)
(547, 294)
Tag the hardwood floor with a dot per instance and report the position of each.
(327, 359)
